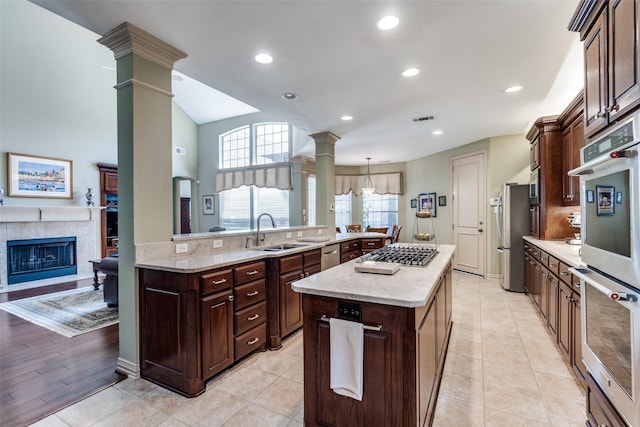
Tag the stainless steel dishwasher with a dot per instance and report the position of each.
(330, 256)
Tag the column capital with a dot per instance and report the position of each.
(126, 38)
(325, 137)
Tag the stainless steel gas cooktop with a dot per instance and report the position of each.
(417, 255)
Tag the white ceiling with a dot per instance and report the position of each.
(331, 54)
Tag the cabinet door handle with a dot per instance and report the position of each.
(230, 297)
(551, 264)
(252, 294)
(252, 318)
(564, 273)
(371, 244)
(219, 282)
(253, 341)
(252, 273)
(613, 108)
(600, 114)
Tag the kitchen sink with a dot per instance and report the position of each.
(282, 247)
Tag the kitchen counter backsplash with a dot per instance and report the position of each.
(569, 254)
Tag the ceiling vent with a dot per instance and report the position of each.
(423, 119)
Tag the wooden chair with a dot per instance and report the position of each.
(353, 228)
(395, 234)
(382, 230)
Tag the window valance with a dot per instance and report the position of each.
(271, 176)
(385, 183)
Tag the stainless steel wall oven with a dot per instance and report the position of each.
(610, 181)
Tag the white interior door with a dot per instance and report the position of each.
(469, 213)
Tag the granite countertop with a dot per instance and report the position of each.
(202, 262)
(408, 287)
(569, 254)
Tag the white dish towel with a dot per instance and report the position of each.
(346, 342)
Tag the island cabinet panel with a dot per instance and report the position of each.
(170, 348)
(284, 307)
(403, 361)
(217, 333)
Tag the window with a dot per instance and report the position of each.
(311, 200)
(380, 210)
(258, 144)
(343, 210)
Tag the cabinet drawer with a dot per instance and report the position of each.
(255, 339)
(250, 272)
(345, 247)
(216, 281)
(250, 317)
(355, 245)
(312, 257)
(290, 263)
(564, 274)
(250, 293)
(368, 244)
(553, 264)
(543, 257)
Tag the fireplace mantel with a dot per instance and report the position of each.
(48, 213)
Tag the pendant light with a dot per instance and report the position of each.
(368, 189)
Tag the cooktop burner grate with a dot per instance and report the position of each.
(417, 255)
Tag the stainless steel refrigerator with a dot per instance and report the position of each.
(512, 220)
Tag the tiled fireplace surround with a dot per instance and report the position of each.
(26, 222)
(17, 222)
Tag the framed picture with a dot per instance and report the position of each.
(605, 196)
(442, 201)
(590, 196)
(414, 203)
(34, 176)
(427, 202)
(208, 205)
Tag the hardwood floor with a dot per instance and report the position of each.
(42, 372)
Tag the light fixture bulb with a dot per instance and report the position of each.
(388, 22)
(346, 117)
(264, 58)
(513, 89)
(437, 132)
(410, 72)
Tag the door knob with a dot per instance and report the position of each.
(479, 230)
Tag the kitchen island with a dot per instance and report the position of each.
(403, 360)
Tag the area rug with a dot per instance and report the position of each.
(67, 313)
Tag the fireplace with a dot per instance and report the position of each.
(35, 259)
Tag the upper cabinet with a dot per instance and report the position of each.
(609, 30)
(572, 141)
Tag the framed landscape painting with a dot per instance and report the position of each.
(34, 176)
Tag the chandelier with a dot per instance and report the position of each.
(368, 188)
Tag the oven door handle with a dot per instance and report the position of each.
(587, 168)
(613, 295)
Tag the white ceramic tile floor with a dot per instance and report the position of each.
(502, 369)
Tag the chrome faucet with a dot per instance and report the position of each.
(273, 222)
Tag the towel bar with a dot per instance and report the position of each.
(378, 328)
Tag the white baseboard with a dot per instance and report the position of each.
(130, 369)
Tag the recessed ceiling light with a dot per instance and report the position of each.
(512, 89)
(437, 132)
(264, 58)
(388, 22)
(410, 72)
(289, 96)
(346, 118)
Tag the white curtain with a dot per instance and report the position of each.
(385, 183)
(271, 176)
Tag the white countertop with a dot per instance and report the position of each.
(201, 262)
(410, 287)
(569, 254)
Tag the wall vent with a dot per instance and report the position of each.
(181, 151)
(423, 118)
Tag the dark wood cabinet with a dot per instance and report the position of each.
(371, 244)
(109, 215)
(564, 320)
(217, 333)
(609, 30)
(600, 411)
(250, 315)
(548, 216)
(572, 141)
(285, 307)
(350, 250)
(403, 362)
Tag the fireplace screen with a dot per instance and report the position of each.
(36, 259)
